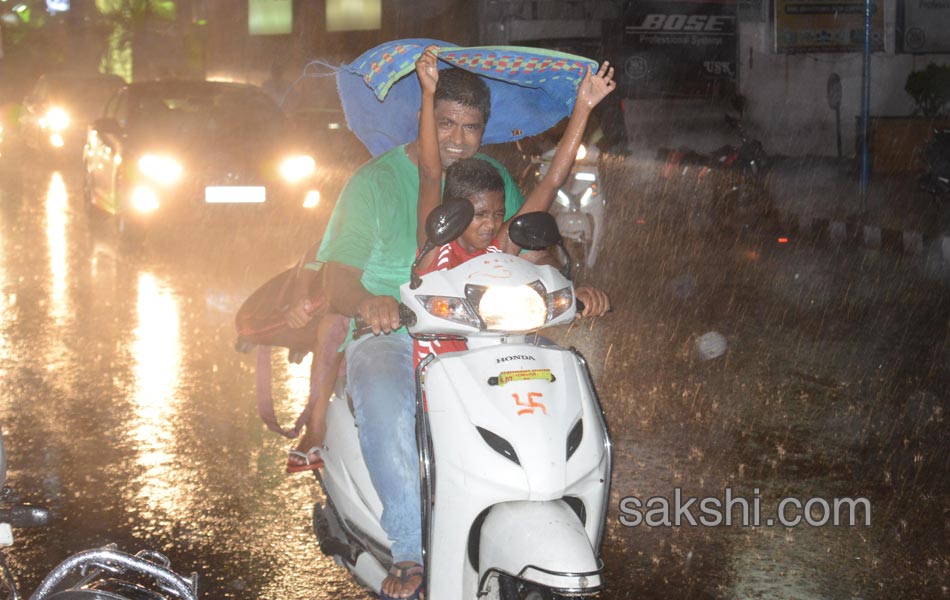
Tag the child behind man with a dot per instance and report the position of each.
(478, 182)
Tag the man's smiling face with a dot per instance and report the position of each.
(460, 130)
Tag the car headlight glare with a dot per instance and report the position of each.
(144, 199)
(297, 168)
(582, 152)
(450, 308)
(159, 168)
(312, 199)
(517, 308)
(57, 119)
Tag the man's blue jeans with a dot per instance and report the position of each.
(381, 381)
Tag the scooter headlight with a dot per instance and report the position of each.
(562, 199)
(517, 308)
(450, 308)
(560, 301)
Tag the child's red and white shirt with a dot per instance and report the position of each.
(448, 256)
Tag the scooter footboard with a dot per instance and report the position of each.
(541, 542)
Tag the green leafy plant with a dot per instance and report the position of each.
(930, 89)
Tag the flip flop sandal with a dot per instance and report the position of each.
(403, 574)
(307, 464)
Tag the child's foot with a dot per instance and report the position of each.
(306, 455)
(304, 460)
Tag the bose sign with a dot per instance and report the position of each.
(684, 23)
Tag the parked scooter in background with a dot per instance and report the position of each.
(514, 452)
(580, 204)
(727, 189)
(104, 573)
(936, 153)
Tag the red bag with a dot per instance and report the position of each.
(261, 321)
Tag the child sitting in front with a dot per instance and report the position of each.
(480, 183)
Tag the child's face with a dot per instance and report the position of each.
(488, 219)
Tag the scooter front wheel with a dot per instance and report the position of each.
(510, 588)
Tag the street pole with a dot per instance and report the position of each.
(866, 107)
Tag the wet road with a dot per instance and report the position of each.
(126, 410)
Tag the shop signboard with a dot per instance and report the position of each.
(826, 26)
(679, 48)
(923, 26)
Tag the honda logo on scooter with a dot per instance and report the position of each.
(505, 359)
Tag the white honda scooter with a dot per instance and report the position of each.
(514, 453)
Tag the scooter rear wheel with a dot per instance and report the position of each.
(511, 588)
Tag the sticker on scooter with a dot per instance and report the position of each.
(531, 404)
(498, 271)
(527, 375)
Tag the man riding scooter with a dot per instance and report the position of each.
(368, 250)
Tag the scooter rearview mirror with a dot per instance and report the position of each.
(443, 225)
(534, 231)
(537, 231)
(448, 221)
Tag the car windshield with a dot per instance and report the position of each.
(87, 94)
(207, 110)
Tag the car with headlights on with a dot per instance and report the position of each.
(57, 110)
(196, 152)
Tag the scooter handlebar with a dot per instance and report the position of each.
(579, 306)
(361, 328)
(22, 515)
(408, 318)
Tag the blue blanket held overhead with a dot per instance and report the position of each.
(531, 89)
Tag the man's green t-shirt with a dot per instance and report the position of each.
(373, 226)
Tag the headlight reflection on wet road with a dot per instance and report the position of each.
(57, 208)
(157, 359)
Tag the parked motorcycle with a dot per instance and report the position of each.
(727, 189)
(514, 452)
(101, 574)
(936, 153)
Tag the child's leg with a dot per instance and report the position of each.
(326, 364)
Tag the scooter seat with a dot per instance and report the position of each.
(340, 391)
